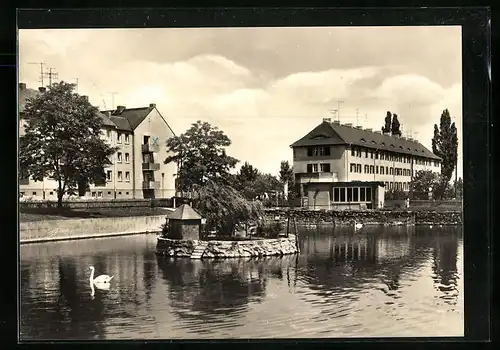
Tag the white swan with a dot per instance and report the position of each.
(100, 281)
(357, 226)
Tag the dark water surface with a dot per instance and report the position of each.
(375, 282)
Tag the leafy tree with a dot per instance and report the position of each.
(247, 173)
(445, 145)
(224, 207)
(459, 187)
(395, 126)
(422, 181)
(200, 154)
(286, 176)
(62, 140)
(388, 123)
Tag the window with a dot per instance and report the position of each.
(146, 139)
(127, 176)
(336, 194)
(93, 194)
(358, 168)
(371, 155)
(366, 154)
(120, 178)
(99, 194)
(353, 152)
(315, 168)
(325, 167)
(372, 169)
(51, 193)
(349, 194)
(362, 194)
(387, 170)
(342, 194)
(127, 138)
(108, 133)
(358, 153)
(108, 175)
(368, 194)
(355, 193)
(391, 171)
(376, 169)
(119, 193)
(382, 170)
(126, 193)
(119, 137)
(382, 156)
(33, 193)
(127, 158)
(119, 155)
(353, 168)
(318, 151)
(367, 169)
(309, 168)
(376, 155)
(109, 192)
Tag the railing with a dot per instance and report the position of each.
(150, 166)
(318, 177)
(150, 185)
(150, 147)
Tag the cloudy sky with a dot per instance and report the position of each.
(264, 87)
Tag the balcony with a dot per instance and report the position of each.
(150, 185)
(150, 148)
(150, 166)
(318, 177)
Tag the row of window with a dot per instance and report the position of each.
(399, 186)
(352, 194)
(323, 167)
(119, 137)
(375, 169)
(318, 151)
(393, 157)
(109, 176)
(51, 193)
(119, 157)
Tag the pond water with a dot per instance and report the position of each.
(375, 282)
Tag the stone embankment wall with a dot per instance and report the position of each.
(57, 230)
(228, 249)
(367, 217)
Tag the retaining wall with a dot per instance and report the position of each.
(368, 217)
(98, 203)
(228, 249)
(54, 230)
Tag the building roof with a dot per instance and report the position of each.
(128, 119)
(106, 120)
(24, 95)
(328, 133)
(184, 212)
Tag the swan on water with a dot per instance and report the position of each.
(99, 280)
(358, 225)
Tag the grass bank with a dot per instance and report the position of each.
(44, 214)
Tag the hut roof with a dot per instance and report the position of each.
(184, 212)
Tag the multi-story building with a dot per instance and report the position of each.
(342, 166)
(137, 169)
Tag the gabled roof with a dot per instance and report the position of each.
(105, 120)
(336, 134)
(184, 212)
(130, 118)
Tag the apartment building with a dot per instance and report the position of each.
(342, 166)
(137, 169)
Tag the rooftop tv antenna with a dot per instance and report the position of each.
(338, 109)
(51, 74)
(76, 86)
(113, 99)
(41, 70)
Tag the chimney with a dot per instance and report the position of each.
(119, 110)
(22, 86)
(336, 122)
(328, 120)
(369, 130)
(348, 125)
(42, 89)
(152, 105)
(108, 113)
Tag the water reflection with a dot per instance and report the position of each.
(372, 282)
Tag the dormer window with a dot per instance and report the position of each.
(362, 140)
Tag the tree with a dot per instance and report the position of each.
(445, 145)
(422, 181)
(388, 123)
(286, 176)
(224, 207)
(247, 173)
(395, 126)
(62, 140)
(200, 154)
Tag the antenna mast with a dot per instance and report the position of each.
(51, 74)
(338, 109)
(41, 70)
(113, 99)
(76, 84)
